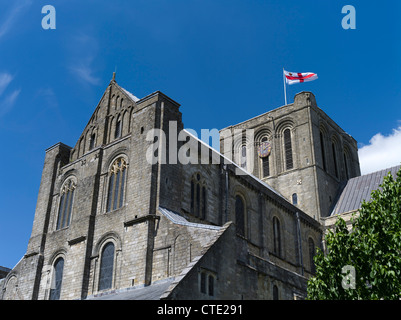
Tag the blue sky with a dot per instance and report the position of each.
(221, 60)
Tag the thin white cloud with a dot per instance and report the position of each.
(84, 50)
(49, 96)
(11, 17)
(5, 79)
(8, 102)
(85, 73)
(382, 152)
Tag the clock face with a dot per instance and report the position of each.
(264, 149)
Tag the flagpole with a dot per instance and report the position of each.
(285, 90)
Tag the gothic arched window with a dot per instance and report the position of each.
(311, 245)
(203, 212)
(276, 236)
(322, 148)
(192, 196)
(294, 199)
(275, 292)
(346, 163)
(242, 157)
(207, 282)
(265, 162)
(211, 285)
(106, 267)
(117, 132)
(288, 150)
(66, 200)
(240, 215)
(117, 175)
(334, 150)
(92, 141)
(203, 282)
(57, 279)
(198, 197)
(198, 200)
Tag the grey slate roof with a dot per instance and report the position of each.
(152, 292)
(178, 219)
(4, 269)
(360, 188)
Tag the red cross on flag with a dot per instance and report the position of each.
(297, 77)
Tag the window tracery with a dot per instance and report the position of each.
(240, 215)
(106, 267)
(66, 201)
(198, 197)
(117, 176)
(57, 279)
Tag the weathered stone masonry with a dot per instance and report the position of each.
(201, 229)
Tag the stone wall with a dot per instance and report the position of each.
(148, 246)
(314, 185)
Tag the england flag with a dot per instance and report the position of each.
(297, 77)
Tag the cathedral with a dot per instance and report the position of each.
(140, 208)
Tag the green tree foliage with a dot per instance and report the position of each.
(371, 249)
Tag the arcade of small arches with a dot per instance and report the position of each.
(336, 157)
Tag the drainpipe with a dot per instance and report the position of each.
(300, 242)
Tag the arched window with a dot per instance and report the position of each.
(276, 237)
(346, 164)
(92, 141)
(240, 215)
(288, 149)
(207, 282)
(311, 245)
(106, 267)
(10, 291)
(57, 279)
(275, 292)
(333, 148)
(265, 167)
(203, 282)
(242, 156)
(116, 184)
(294, 199)
(114, 101)
(322, 148)
(81, 150)
(66, 200)
(192, 196)
(117, 132)
(211, 285)
(265, 161)
(198, 197)
(203, 213)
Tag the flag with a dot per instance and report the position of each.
(296, 77)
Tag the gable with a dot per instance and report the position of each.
(109, 120)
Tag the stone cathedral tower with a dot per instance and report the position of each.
(305, 155)
(83, 185)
